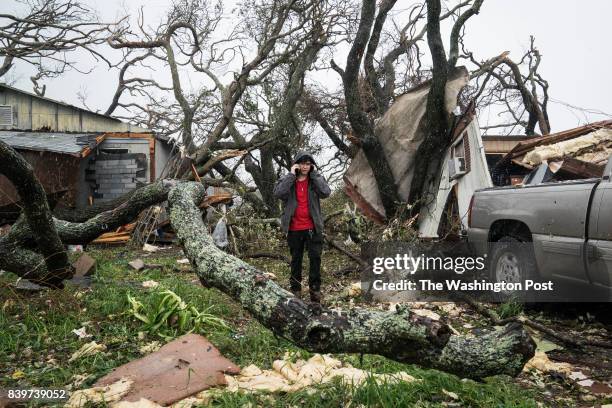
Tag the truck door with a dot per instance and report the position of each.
(558, 227)
(599, 245)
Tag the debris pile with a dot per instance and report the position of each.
(572, 154)
(185, 372)
(155, 224)
(288, 376)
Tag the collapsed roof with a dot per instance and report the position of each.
(581, 152)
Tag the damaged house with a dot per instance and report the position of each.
(81, 157)
(471, 162)
(578, 153)
(399, 131)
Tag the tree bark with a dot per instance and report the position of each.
(361, 124)
(38, 215)
(430, 153)
(87, 231)
(399, 335)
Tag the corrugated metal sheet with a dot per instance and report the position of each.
(65, 143)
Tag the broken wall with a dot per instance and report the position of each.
(58, 174)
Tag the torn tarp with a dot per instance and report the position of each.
(400, 132)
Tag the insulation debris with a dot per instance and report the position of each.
(88, 349)
(541, 362)
(104, 394)
(593, 147)
(288, 376)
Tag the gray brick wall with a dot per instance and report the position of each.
(117, 174)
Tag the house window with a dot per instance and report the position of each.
(462, 149)
(6, 115)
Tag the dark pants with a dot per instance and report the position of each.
(298, 241)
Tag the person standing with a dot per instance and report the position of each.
(302, 220)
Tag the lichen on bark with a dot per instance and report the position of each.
(400, 335)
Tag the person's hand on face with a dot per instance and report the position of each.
(295, 169)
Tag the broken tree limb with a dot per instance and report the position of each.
(17, 257)
(342, 248)
(37, 215)
(87, 231)
(573, 341)
(399, 335)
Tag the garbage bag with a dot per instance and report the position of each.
(220, 234)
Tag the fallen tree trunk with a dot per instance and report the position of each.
(37, 216)
(109, 220)
(85, 213)
(16, 248)
(399, 335)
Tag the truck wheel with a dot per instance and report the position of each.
(511, 262)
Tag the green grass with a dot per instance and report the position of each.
(36, 338)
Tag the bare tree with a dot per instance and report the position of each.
(46, 33)
(382, 84)
(518, 87)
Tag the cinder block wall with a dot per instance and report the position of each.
(116, 174)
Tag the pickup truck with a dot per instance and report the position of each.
(558, 231)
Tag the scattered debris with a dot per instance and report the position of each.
(150, 284)
(355, 289)
(288, 376)
(544, 345)
(150, 347)
(450, 394)
(270, 275)
(426, 313)
(100, 394)
(120, 236)
(25, 285)
(541, 362)
(84, 266)
(87, 350)
(78, 380)
(183, 261)
(137, 264)
(82, 333)
(178, 370)
(17, 375)
(141, 403)
(150, 248)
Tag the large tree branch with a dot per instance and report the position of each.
(431, 150)
(399, 334)
(453, 53)
(359, 120)
(37, 213)
(85, 232)
(371, 72)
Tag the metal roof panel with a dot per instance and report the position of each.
(64, 143)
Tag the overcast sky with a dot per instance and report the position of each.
(573, 37)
